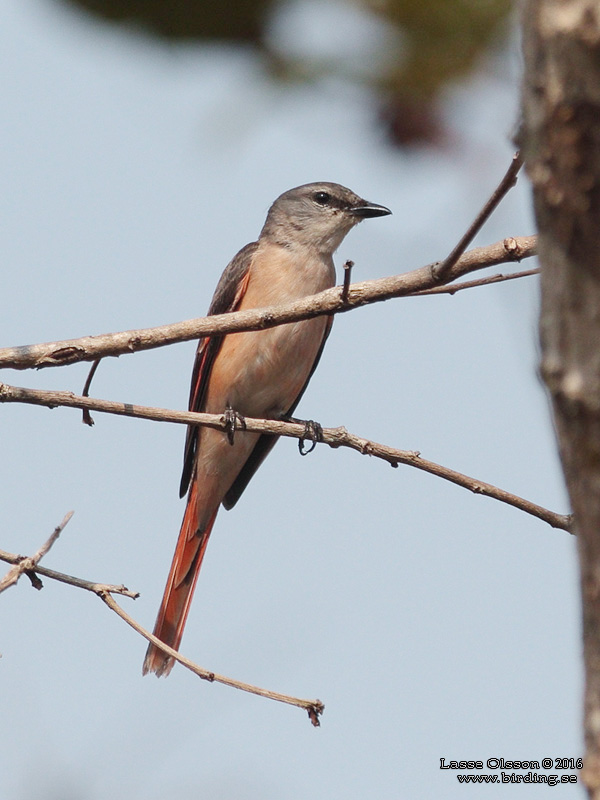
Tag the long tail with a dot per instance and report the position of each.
(181, 583)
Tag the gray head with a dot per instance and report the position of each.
(317, 216)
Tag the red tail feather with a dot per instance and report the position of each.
(181, 583)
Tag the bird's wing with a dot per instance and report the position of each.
(266, 441)
(227, 297)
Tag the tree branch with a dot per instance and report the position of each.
(29, 565)
(314, 707)
(508, 181)
(71, 580)
(334, 437)
(457, 287)
(332, 301)
(105, 591)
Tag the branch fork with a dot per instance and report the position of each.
(29, 565)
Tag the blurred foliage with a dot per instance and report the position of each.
(440, 41)
(444, 37)
(240, 20)
(444, 40)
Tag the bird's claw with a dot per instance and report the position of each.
(231, 420)
(312, 431)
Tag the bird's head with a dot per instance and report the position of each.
(317, 216)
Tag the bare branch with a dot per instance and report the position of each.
(314, 707)
(441, 271)
(79, 583)
(457, 287)
(346, 285)
(104, 591)
(90, 348)
(87, 417)
(29, 565)
(334, 437)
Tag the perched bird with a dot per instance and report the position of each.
(256, 373)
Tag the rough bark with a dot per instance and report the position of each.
(561, 144)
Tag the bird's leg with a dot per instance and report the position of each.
(312, 430)
(230, 419)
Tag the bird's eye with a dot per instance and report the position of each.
(322, 198)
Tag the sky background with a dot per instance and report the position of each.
(432, 623)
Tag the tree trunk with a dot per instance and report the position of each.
(561, 144)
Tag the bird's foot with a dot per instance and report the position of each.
(232, 421)
(313, 431)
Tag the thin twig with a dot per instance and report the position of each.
(313, 707)
(89, 348)
(347, 275)
(71, 580)
(105, 591)
(87, 417)
(442, 270)
(334, 437)
(457, 287)
(29, 565)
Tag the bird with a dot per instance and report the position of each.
(252, 374)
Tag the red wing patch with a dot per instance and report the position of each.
(224, 301)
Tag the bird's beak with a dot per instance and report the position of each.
(367, 210)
